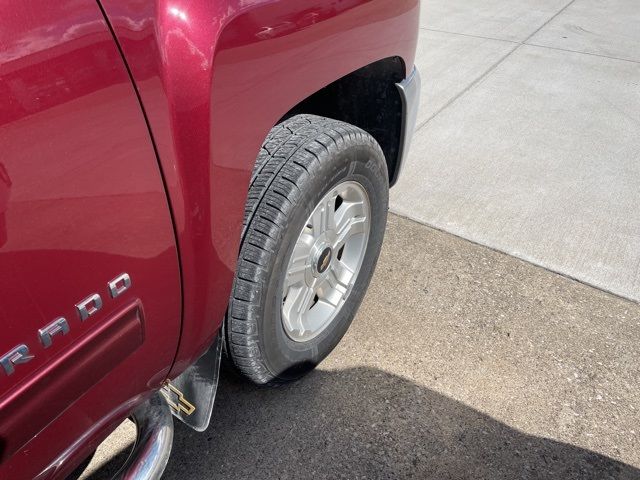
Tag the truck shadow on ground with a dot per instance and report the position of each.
(363, 423)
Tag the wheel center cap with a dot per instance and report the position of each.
(324, 259)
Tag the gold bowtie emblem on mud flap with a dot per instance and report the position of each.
(176, 400)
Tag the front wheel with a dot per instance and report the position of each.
(314, 223)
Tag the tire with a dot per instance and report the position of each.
(299, 164)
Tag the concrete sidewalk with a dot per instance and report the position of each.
(528, 138)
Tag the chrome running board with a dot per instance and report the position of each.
(150, 454)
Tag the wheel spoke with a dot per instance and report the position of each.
(349, 210)
(296, 273)
(298, 263)
(347, 228)
(341, 274)
(337, 284)
(323, 217)
(303, 246)
(297, 303)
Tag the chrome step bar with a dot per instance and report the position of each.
(150, 454)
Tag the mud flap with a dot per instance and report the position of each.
(191, 395)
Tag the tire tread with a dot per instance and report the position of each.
(284, 161)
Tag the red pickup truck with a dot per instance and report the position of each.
(181, 180)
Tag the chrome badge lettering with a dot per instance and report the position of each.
(86, 308)
(119, 285)
(89, 306)
(18, 355)
(59, 325)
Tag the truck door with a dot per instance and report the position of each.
(89, 278)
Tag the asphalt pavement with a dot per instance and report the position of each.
(462, 362)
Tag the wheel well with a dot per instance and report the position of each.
(367, 98)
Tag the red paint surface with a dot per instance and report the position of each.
(81, 195)
(71, 375)
(81, 201)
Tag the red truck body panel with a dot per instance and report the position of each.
(82, 202)
(92, 97)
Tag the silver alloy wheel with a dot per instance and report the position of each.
(325, 261)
